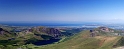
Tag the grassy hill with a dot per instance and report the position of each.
(82, 40)
(4, 34)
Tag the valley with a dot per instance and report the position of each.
(55, 37)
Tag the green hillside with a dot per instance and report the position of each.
(83, 41)
(88, 39)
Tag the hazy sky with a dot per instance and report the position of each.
(62, 10)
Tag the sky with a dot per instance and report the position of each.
(72, 11)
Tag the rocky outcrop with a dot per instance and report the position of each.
(105, 29)
(92, 33)
(54, 32)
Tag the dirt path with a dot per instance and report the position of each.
(119, 47)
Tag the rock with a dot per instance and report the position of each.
(49, 31)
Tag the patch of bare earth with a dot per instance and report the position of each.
(119, 47)
(105, 39)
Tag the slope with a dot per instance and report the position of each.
(89, 39)
(83, 40)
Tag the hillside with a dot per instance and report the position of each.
(107, 31)
(84, 40)
(40, 33)
(4, 34)
(99, 38)
(27, 36)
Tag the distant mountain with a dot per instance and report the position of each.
(46, 31)
(40, 33)
(106, 31)
(21, 35)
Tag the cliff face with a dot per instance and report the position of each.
(54, 32)
(3, 32)
(48, 31)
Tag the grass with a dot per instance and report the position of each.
(82, 41)
(79, 41)
(111, 43)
